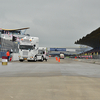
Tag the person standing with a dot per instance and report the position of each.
(8, 54)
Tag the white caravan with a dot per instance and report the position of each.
(28, 49)
(44, 52)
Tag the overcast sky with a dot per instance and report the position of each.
(57, 23)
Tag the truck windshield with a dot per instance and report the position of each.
(26, 47)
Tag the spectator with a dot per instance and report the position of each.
(8, 54)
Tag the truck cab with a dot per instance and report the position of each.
(28, 48)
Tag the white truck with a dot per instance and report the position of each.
(29, 49)
(61, 55)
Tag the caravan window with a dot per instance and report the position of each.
(40, 51)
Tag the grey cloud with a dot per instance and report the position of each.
(56, 22)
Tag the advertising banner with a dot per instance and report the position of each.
(57, 49)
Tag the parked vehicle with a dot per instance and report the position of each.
(61, 55)
(44, 52)
(29, 49)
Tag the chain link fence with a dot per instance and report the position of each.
(8, 45)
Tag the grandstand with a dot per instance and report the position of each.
(8, 45)
(92, 40)
(6, 40)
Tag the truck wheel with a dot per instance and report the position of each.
(35, 58)
(21, 60)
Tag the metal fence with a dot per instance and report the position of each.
(2, 54)
(8, 45)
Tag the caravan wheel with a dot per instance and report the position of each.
(45, 59)
(42, 58)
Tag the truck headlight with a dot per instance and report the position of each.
(31, 57)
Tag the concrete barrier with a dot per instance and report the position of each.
(15, 56)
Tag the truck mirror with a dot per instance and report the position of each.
(43, 52)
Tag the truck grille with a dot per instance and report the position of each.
(25, 52)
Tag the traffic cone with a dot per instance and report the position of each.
(59, 60)
(56, 58)
(75, 57)
(10, 58)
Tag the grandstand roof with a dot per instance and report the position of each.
(14, 29)
(92, 39)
